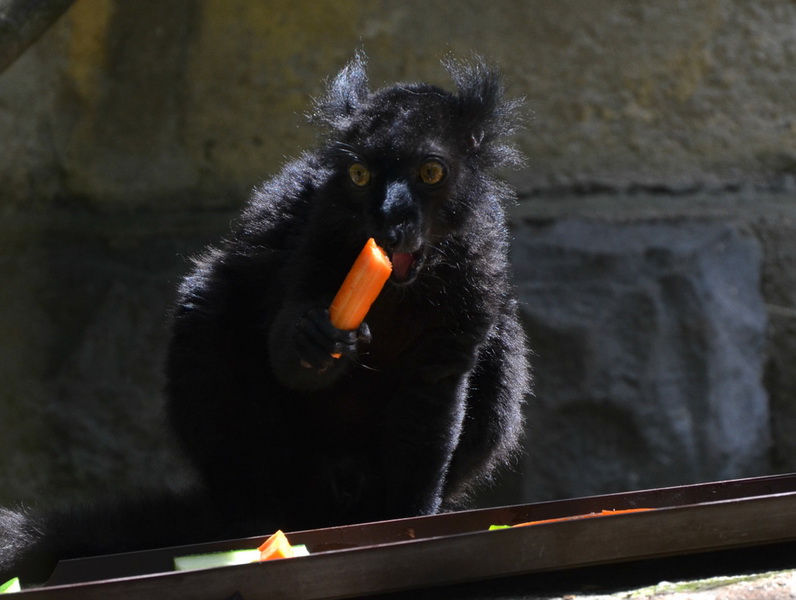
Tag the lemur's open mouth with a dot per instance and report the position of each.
(406, 265)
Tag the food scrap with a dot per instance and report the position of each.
(602, 513)
(215, 559)
(10, 586)
(276, 546)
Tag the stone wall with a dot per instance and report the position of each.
(649, 339)
(654, 244)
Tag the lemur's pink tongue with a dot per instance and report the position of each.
(401, 265)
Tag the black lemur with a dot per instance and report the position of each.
(426, 398)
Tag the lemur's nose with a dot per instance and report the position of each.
(399, 219)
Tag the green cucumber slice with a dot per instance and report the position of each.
(225, 559)
(10, 586)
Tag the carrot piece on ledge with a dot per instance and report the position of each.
(276, 546)
(602, 513)
(360, 288)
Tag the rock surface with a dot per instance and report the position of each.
(84, 327)
(649, 343)
(762, 586)
(190, 102)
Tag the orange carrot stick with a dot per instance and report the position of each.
(362, 285)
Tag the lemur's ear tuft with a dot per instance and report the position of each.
(487, 116)
(344, 95)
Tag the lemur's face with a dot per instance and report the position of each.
(401, 166)
(411, 162)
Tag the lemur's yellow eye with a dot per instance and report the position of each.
(432, 172)
(359, 174)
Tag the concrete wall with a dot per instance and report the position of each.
(132, 131)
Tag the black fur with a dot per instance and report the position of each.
(425, 401)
